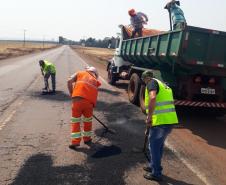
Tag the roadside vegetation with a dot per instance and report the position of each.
(100, 55)
(15, 48)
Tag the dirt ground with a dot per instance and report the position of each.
(99, 55)
(10, 49)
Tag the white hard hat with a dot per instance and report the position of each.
(93, 70)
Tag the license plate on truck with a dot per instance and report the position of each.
(208, 91)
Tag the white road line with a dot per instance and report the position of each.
(11, 114)
(8, 118)
(195, 170)
(201, 176)
(12, 108)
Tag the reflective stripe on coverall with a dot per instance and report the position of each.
(79, 108)
(86, 87)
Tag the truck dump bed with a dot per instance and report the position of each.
(191, 46)
(145, 32)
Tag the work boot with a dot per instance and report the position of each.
(74, 146)
(53, 92)
(150, 176)
(147, 169)
(44, 91)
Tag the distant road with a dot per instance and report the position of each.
(17, 74)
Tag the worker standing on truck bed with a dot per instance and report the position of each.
(137, 20)
(83, 88)
(48, 69)
(161, 116)
(177, 15)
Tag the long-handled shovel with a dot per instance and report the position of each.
(144, 149)
(105, 126)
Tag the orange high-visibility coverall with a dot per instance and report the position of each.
(84, 97)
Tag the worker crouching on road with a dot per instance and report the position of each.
(83, 88)
(137, 20)
(48, 69)
(161, 116)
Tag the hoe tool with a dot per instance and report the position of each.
(144, 149)
(107, 129)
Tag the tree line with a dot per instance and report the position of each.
(107, 42)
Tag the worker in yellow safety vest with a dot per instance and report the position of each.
(48, 70)
(161, 116)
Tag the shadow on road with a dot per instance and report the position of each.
(122, 85)
(107, 151)
(39, 170)
(114, 93)
(58, 96)
(205, 125)
(170, 181)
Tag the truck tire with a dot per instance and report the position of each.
(133, 88)
(111, 78)
(142, 98)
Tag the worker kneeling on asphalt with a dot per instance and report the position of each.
(83, 88)
(48, 69)
(161, 116)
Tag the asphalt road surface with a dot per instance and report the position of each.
(35, 133)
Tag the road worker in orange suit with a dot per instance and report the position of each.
(83, 88)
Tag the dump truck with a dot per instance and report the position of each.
(192, 61)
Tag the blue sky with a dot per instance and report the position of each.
(77, 19)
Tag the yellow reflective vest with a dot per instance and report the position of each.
(48, 67)
(164, 112)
